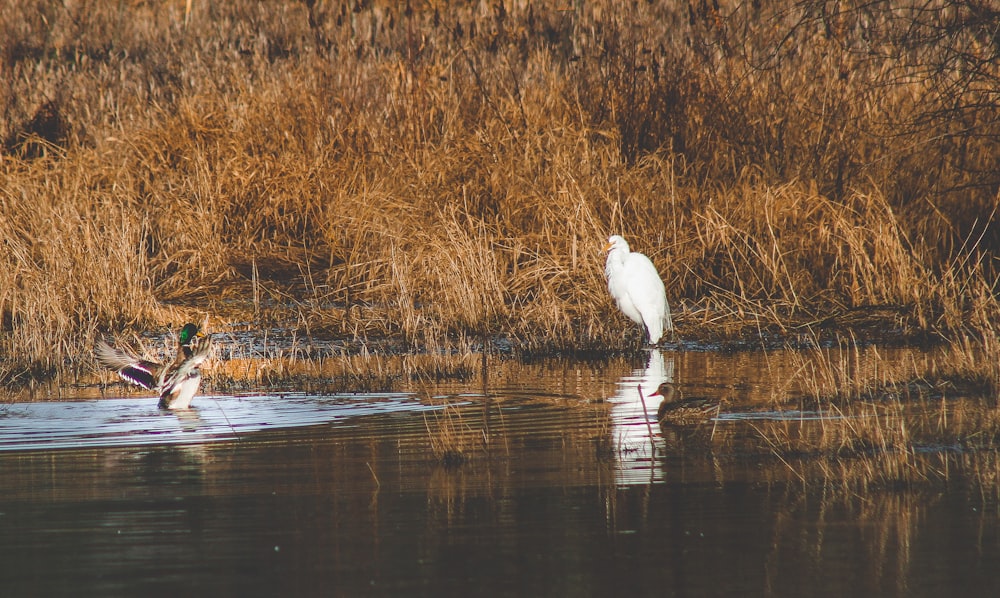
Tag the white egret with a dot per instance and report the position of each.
(637, 288)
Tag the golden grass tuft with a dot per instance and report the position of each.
(452, 441)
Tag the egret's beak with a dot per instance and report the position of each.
(608, 247)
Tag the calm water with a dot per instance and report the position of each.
(560, 493)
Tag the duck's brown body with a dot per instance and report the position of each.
(676, 409)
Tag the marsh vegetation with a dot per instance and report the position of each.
(432, 176)
(426, 171)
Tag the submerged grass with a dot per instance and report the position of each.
(872, 421)
(452, 441)
(450, 171)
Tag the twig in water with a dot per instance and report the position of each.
(226, 417)
(776, 453)
(645, 416)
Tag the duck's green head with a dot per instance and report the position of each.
(187, 333)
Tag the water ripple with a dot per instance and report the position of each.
(138, 421)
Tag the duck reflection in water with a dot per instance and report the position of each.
(189, 419)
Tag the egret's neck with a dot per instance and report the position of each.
(616, 256)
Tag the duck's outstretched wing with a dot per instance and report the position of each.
(131, 369)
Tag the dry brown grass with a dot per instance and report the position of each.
(453, 171)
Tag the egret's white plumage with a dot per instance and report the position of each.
(637, 288)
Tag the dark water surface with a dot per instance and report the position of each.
(552, 488)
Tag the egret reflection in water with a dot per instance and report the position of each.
(635, 418)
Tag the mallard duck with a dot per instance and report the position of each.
(674, 409)
(176, 382)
